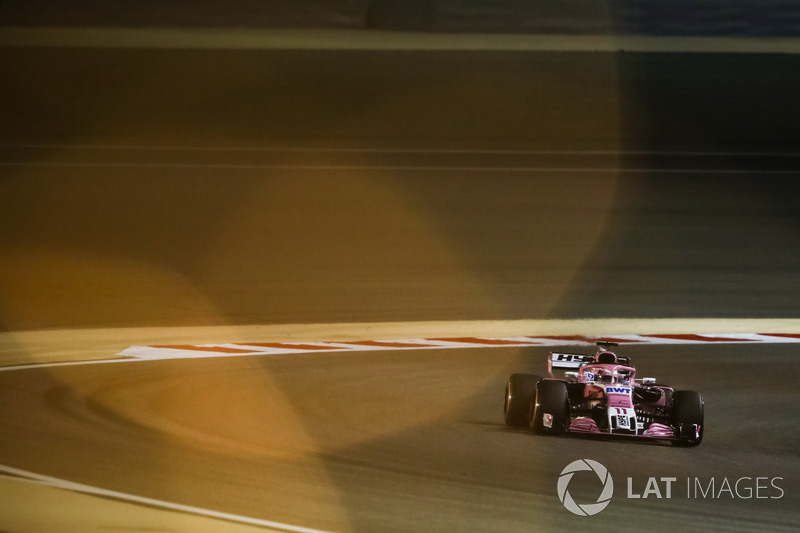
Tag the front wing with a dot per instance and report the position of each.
(584, 424)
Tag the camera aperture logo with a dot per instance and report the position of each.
(586, 509)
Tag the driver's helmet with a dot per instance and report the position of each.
(606, 358)
(604, 376)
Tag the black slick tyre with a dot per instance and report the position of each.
(520, 389)
(687, 417)
(550, 412)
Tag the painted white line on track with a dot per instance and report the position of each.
(369, 150)
(152, 353)
(11, 368)
(104, 493)
(358, 39)
(243, 349)
(198, 166)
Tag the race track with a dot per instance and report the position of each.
(397, 441)
(378, 198)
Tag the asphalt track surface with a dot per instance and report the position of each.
(399, 198)
(399, 441)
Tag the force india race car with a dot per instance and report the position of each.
(600, 395)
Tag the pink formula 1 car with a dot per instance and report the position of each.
(601, 395)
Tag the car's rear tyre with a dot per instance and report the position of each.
(550, 412)
(687, 417)
(520, 389)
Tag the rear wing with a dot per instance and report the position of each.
(575, 360)
(569, 360)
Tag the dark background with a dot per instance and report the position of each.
(700, 195)
(764, 18)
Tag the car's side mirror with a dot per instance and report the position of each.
(648, 381)
(571, 375)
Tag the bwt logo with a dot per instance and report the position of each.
(587, 509)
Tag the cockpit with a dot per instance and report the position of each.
(607, 374)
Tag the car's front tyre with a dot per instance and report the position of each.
(688, 417)
(550, 410)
